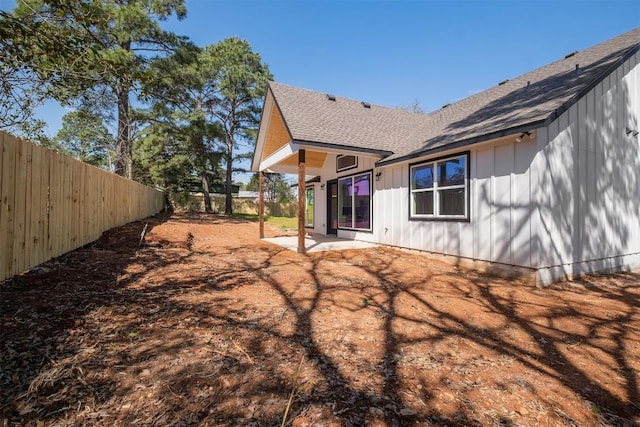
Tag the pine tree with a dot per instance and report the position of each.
(70, 46)
(239, 86)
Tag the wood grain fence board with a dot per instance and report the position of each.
(46, 159)
(54, 191)
(58, 231)
(55, 231)
(71, 209)
(61, 235)
(51, 204)
(89, 200)
(8, 200)
(2, 251)
(103, 203)
(87, 205)
(108, 203)
(35, 207)
(67, 206)
(45, 202)
(96, 220)
(3, 215)
(76, 241)
(40, 199)
(20, 209)
(49, 159)
(28, 245)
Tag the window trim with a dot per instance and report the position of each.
(371, 190)
(355, 165)
(467, 187)
(313, 217)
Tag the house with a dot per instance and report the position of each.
(541, 172)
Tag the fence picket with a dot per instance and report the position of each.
(51, 204)
(35, 207)
(8, 203)
(3, 215)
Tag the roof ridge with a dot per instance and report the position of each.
(355, 101)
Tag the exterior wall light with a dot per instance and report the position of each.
(520, 137)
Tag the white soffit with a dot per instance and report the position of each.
(281, 154)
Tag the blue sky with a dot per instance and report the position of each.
(396, 52)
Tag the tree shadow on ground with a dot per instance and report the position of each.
(213, 333)
(42, 309)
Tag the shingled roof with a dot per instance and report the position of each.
(312, 117)
(526, 102)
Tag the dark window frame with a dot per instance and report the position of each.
(371, 190)
(467, 187)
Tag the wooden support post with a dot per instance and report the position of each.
(301, 201)
(261, 204)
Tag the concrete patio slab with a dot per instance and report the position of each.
(319, 243)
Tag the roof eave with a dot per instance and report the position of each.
(463, 143)
(553, 115)
(583, 92)
(257, 152)
(342, 148)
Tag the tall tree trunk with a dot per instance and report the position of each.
(228, 204)
(197, 141)
(205, 191)
(122, 139)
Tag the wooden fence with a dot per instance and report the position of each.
(51, 204)
(196, 204)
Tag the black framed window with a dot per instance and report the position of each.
(440, 188)
(354, 202)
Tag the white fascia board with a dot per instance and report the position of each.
(281, 154)
(293, 170)
(326, 148)
(262, 131)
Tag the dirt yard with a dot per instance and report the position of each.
(217, 328)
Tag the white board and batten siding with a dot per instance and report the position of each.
(499, 229)
(588, 171)
(565, 203)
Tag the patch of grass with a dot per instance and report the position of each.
(248, 217)
(281, 222)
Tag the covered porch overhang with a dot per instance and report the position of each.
(277, 151)
(285, 159)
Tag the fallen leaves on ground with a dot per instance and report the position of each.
(208, 325)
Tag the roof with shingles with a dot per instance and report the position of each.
(311, 116)
(530, 100)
